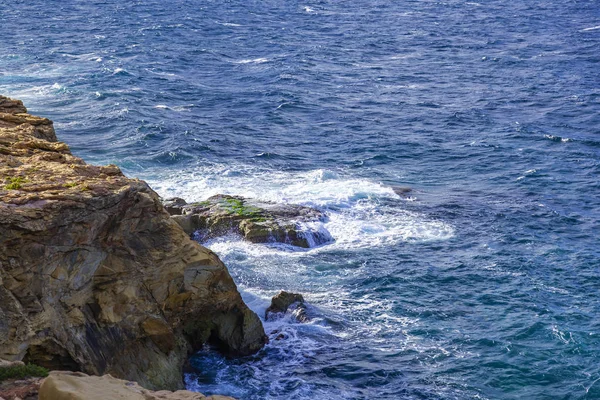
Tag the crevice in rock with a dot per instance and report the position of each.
(52, 356)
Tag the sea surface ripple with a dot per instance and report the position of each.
(483, 282)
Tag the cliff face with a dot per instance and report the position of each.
(95, 276)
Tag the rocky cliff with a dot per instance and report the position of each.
(95, 276)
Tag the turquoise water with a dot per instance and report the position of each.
(482, 283)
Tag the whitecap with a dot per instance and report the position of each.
(593, 28)
(252, 61)
(228, 24)
(361, 213)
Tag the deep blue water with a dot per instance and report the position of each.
(484, 283)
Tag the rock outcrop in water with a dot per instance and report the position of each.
(284, 302)
(94, 274)
(257, 221)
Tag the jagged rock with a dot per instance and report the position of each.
(174, 206)
(94, 274)
(257, 221)
(283, 302)
(62, 385)
(11, 106)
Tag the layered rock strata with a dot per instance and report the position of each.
(94, 274)
(257, 221)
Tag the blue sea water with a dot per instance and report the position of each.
(482, 283)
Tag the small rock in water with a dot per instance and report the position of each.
(284, 302)
(402, 191)
(257, 221)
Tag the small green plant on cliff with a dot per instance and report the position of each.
(22, 371)
(70, 184)
(237, 207)
(15, 183)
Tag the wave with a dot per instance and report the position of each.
(593, 28)
(362, 213)
(252, 61)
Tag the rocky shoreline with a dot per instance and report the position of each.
(95, 276)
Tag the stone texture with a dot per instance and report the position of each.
(283, 302)
(257, 221)
(20, 389)
(94, 274)
(62, 385)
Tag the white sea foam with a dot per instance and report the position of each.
(228, 24)
(593, 28)
(181, 108)
(252, 61)
(33, 94)
(357, 217)
(362, 214)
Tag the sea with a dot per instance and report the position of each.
(454, 146)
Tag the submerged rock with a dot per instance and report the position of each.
(402, 191)
(283, 302)
(78, 386)
(257, 221)
(94, 274)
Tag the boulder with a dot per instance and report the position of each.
(257, 221)
(283, 302)
(61, 385)
(94, 274)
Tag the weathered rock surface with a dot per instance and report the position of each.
(94, 274)
(20, 389)
(78, 386)
(284, 302)
(257, 221)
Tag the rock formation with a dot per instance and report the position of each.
(78, 386)
(94, 274)
(257, 221)
(283, 302)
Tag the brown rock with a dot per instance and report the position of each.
(78, 386)
(257, 221)
(95, 276)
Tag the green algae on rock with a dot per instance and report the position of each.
(257, 221)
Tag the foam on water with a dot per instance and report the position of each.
(259, 60)
(356, 216)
